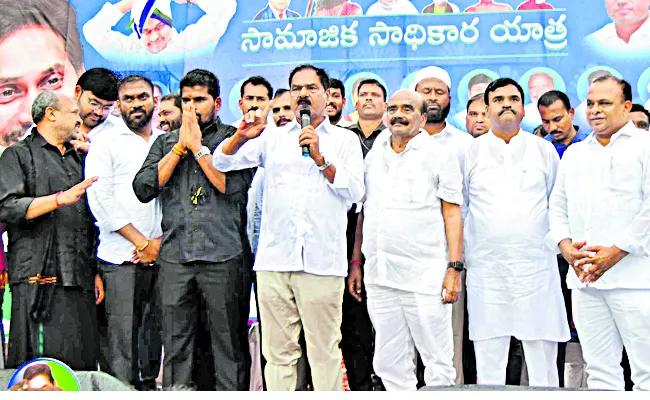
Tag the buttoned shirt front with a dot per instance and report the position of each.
(404, 238)
(602, 196)
(303, 228)
(115, 157)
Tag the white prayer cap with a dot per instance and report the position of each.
(142, 10)
(431, 72)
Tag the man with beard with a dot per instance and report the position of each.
(95, 93)
(557, 119)
(301, 258)
(204, 253)
(129, 231)
(335, 101)
(337, 8)
(477, 121)
(513, 286)
(53, 59)
(54, 286)
(357, 335)
(434, 84)
(169, 112)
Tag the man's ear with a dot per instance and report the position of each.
(77, 93)
(217, 104)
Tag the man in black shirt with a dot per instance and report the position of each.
(52, 270)
(357, 337)
(203, 252)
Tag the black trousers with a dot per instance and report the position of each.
(2, 328)
(357, 335)
(563, 268)
(222, 288)
(129, 290)
(69, 335)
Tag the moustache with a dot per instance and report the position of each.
(555, 133)
(397, 120)
(506, 110)
(304, 101)
(140, 109)
(433, 103)
(331, 105)
(282, 119)
(253, 108)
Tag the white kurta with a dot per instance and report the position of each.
(513, 284)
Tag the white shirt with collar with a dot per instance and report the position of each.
(607, 40)
(400, 7)
(115, 157)
(602, 196)
(114, 45)
(404, 239)
(304, 215)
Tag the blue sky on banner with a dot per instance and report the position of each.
(518, 44)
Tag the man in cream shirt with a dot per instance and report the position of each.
(599, 218)
(629, 31)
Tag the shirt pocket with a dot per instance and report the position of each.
(410, 191)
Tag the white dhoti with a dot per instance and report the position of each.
(608, 320)
(404, 321)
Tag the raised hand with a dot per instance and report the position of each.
(254, 122)
(73, 194)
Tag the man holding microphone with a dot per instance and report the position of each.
(301, 260)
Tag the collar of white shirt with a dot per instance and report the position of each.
(628, 129)
(415, 143)
(608, 32)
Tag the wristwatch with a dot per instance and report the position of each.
(457, 265)
(203, 152)
(326, 165)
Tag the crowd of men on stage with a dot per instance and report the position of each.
(369, 243)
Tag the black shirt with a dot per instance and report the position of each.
(198, 226)
(61, 242)
(367, 142)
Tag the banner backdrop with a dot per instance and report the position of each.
(542, 44)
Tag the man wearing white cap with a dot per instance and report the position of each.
(151, 23)
(434, 84)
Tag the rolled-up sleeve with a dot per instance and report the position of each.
(249, 155)
(450, 180)
(14, 202)
(558, 208)
(145, 183)
(636, 238)
(348, 181)
(106, 208)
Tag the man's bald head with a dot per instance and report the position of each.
(407, 113)
(539, 84)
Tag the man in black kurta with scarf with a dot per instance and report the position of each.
(52, 271)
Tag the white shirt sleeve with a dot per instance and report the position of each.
(558, 207)
(348, 181)
(450, 180)
(210, 27)
(99, 33)
(108, 212)
(249, 155)
(554, 162)
(636, 239)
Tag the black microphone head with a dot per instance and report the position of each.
(304, 110)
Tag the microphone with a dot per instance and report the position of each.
(305, 121)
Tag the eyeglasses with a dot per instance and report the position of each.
(95, 105)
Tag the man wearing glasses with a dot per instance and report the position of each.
(95, 93)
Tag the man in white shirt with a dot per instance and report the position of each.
(434, 84)
(513, 287)
(129, 231)
(414, 190)
(153, 37)
(629, 31)
(95, 93)
(301, 259)
(609, 251)
(392, 7)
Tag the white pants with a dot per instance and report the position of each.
(404, 321)
(492, 360)
(606, 321)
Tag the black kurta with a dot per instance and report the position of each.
(49, 319)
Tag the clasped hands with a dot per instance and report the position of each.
(590, 262)
(190, 135)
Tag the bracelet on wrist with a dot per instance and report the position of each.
(178, 151)
(355, 263)
(144, 246)
(56, 199)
